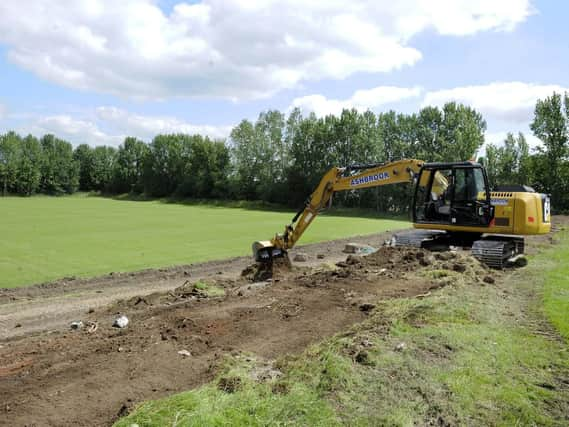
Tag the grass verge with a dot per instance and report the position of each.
(554, 267)
(470, 354)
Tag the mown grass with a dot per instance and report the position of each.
(46, 238)
(469, 354)
(555, 272)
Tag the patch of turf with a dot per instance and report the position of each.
(209, 290)
(235, 399)
(46, 238)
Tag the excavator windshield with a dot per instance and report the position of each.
(452, 194)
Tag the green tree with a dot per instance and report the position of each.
(83, 155)
(249, 159)
(29, 166)
(510, 163)
(164, 164)
(59, 171)
(452, 134)
(311, 156)
(261, 155)
(9, 150)
(103, 159)
(206, 172)
(128, 166)
(550, 125)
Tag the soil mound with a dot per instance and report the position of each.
(262, 271)
(397, 262)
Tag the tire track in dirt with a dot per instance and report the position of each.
(54, 305)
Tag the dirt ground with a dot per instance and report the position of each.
(53, 305)
(53, 375)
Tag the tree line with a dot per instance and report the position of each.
(280, 158)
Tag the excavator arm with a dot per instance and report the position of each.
(336, 179)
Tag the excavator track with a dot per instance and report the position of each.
(497, 251)
(426, 239)
(494, 251)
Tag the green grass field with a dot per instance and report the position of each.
(45, 238)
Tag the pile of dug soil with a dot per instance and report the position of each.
(261, 271)
(188, 291)
(397, 262)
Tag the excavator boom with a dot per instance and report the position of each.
(355, 177)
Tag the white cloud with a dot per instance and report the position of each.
(72, 129)
(507, 101)
(361, 100)
(233, 49)
(147, 127)
(498, 138)
(110, 126)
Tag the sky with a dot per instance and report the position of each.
(96, 71)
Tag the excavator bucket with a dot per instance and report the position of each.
(265, 251)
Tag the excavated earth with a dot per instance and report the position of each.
(53, 375)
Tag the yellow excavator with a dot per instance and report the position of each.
(452, 205)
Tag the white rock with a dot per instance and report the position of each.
(185, 353)
(358, 249)
(121, 322)
(401, 346)
(78, 324)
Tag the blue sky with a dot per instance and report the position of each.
(97, 71)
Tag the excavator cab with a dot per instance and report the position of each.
(453, 194)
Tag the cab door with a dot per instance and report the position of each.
(452, 194)
(470, 199)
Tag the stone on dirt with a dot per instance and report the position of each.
(356, 248)
(401, 346)
(320, 256)
(78, 324)
(184, 353)
(120, 322)
(300, 257)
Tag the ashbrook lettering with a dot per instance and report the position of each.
(371, 178)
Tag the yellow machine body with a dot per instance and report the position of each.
(515, 213)
(480, 213)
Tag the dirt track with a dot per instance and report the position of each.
(69, 377)
(53, 305)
